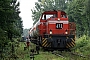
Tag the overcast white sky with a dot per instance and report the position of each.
(26, 14)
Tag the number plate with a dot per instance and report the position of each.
(59, 25)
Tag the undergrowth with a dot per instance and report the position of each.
(83, 45)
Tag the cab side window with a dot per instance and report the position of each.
(63, 16)
(47, 16)
(44, 17)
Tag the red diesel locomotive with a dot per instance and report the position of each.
(53, 31)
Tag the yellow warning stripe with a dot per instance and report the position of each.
(44, 43)
(48, 45)
(73, 43)
(68, 45)
(72, 39)
(43, 40)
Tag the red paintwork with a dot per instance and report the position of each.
(44, 26)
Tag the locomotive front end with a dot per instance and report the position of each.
(58, 34)
(54, 31)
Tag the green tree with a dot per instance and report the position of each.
(77, 11)
(10, 22)
(9, 15)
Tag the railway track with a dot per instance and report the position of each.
(70, 55)
(58, 54)
(77, 54)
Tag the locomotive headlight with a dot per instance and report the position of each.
(66, 32)
(50, 31)
(58, 19)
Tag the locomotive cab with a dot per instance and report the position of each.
(54, 21)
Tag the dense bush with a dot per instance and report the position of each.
(82, 41)
(82, 44)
